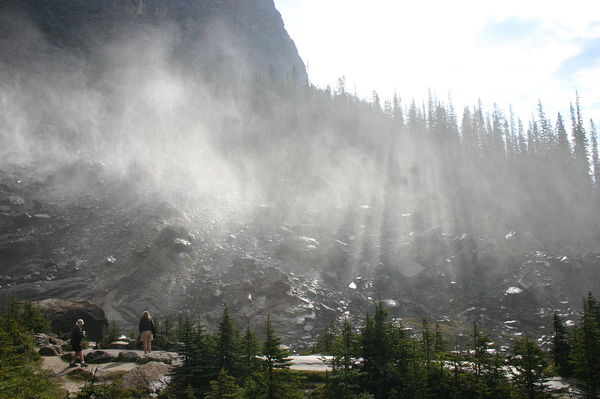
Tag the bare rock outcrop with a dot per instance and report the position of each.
(63, 313)
(152, 376)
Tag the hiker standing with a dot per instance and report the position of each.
(147, 331)
(77, 334)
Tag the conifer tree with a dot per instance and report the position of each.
(533, 139)
(521, 140)
(562, 140)
(326, 340)
(511, 129)
(561, 347)
(580, 142)
(467, 131)
(546, 134)
(397, 111)
(183, 375)
(595, 158)
(439, 343)
(428, 345)
(225, 387)
(345, 377)
(249, 362)
(341, 87)
(114, 332)
(376, 102)
(586, 348)
(279, 385)
(226, 337)
(529, 363)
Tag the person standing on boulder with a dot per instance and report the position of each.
(147, 331)
(77, 335)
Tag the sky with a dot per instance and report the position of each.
(514, 52)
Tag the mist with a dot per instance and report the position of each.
(246, 159)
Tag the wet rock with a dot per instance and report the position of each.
(99, 357)
(63, 313)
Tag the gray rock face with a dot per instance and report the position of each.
(226, 37)
(63, 314)
(226, 264)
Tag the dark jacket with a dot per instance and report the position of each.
(77, 334)
(146, 324)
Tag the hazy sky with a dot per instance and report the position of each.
(510, 52)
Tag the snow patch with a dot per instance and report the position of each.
(510, 235)
(309, 240)
(182, 242)
(513, 291)
(390, 303)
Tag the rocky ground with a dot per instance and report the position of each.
(136, 369)
(152, 374)
(79, 230)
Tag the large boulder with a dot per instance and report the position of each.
(63, 313)
(152, 376)
(99, 357)
(128, 357)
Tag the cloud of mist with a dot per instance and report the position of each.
(187, 126)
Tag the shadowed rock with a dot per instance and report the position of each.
(63, 313)
(99, 357)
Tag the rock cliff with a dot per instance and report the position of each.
(230, 38)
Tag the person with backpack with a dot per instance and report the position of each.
(147, 331)
(77, 335)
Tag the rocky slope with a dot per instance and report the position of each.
(210, 197)
(130, 253)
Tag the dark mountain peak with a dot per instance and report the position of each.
(209, 35)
